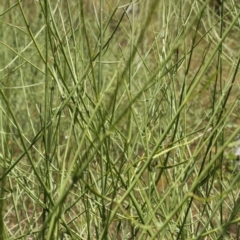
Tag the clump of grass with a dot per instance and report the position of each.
(116, 118)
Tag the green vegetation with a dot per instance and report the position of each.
(117, 119)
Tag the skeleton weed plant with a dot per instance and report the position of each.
(116, 119)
